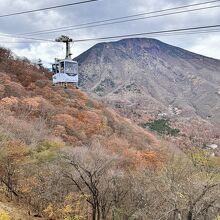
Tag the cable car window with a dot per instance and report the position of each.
(71, 68)
(62, 67)
(57, 68)
(54, 69)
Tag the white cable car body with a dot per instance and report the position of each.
(65, 71)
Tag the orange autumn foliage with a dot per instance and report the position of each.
(70, 114)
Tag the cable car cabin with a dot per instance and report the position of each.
(65, 71)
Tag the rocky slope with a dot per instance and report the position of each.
(144, 78)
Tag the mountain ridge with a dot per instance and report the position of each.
(139, 40)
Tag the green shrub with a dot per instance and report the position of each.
(161, 126)
(46, 150)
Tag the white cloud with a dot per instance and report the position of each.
(208, 46)
(45, 51)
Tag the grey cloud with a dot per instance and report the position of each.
(103, 9)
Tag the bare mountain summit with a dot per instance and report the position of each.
(142, 77)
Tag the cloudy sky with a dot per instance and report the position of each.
(207, 44)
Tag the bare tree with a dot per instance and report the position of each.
(190, 193)
(90, 171)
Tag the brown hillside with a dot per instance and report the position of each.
(38, 119)
(32, 109)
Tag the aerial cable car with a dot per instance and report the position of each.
(65, 71)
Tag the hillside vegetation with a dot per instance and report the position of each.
(65, 156)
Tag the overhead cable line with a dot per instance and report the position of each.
(153, 34)
(185, 33)
(124, 21)
(149, 33)
(22, 42)
(131, 18)
(25, 37)
(47, 8)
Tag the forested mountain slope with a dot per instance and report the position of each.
(65, 156)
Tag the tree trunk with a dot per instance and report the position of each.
(98, 212)
(190, 215)
(94, 212)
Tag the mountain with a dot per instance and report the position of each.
(65, 155)
(143, 78)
